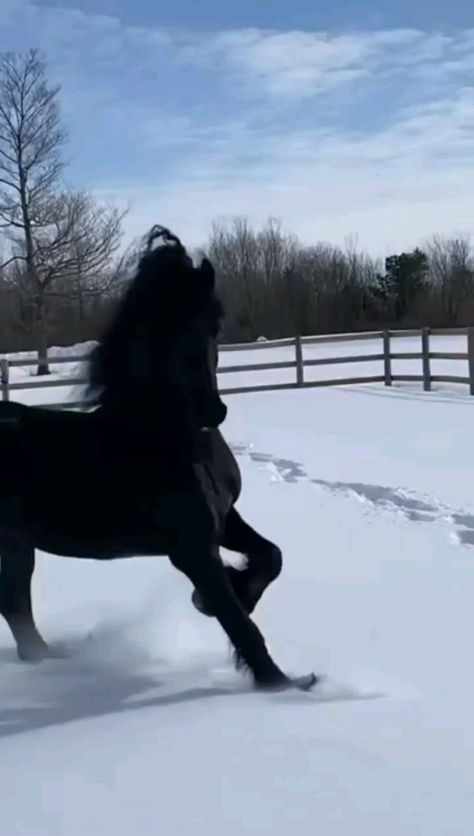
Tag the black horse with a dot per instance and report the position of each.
(145, 470)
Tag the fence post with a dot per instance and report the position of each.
(387, 358)
(4, 378)
(425, 350)
(470, 354)
(299, 361)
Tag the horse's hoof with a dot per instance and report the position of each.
(285, 683)
(305, 683)
(31, 655)
(39, 653)
(248, 592)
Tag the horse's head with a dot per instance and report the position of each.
(193, 317)
(160, 353)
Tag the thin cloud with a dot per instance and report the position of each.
(300, 65)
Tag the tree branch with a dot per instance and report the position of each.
(12, 260)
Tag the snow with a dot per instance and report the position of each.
(146, 727)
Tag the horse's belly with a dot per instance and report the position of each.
(97, 547)
(92, 526)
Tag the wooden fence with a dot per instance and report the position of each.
(385, 356)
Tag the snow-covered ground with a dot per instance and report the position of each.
(145, 728)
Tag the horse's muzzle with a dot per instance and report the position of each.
(211, 414)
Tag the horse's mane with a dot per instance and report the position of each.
(164, 294)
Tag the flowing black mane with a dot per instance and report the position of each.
(166, 293)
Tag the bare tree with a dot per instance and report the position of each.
(254, 267)
(31, 139)
(273, 285)
(74, 252)
(235, 250)
(62, 242)
(451, 263)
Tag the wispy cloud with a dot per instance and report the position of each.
(297, 65)
(390, 189)
(293, 63)
(368, 133)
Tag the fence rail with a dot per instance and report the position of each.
(385, 356)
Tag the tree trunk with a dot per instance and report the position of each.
(33, 279)
(41, 336)
(80, 305)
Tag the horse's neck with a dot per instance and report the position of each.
(159, 432)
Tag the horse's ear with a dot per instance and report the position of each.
(208, 274)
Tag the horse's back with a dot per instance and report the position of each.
(53, 465)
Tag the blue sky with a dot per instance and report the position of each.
(341, 119)
(304, 14)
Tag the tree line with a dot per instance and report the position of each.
(273, 285)
(62, 267)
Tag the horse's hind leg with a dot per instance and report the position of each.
(17, 563)
(264, 563)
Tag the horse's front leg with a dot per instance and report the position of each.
(17, 563)
(198, 557)
(263, 563)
